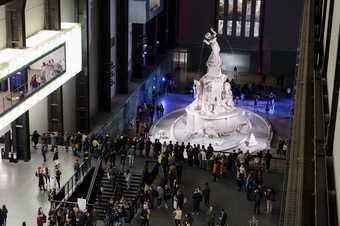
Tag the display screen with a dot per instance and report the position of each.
(154, 4)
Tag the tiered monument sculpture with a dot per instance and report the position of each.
(212, 117)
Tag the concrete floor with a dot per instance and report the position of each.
(19, 186)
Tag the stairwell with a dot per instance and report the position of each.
(109, 191)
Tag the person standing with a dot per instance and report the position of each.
(160, 195)
(216, 169)
(76, 168)
(223, 217)
(211, 216)
(131, 155)
(41, 217)
(145, 216)
(268, 157)
(167, 196)
(178, 216)
(44, 149)
(257, 199)
(128, 179)
(4, 215)
(196, 201)
(56, 157)
(1, 217)
(35, 139)
(58, 176)
(206, 194)
(41, 181)
(269, 196)
(161, 110)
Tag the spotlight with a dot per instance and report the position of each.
(163, 79)
(157, 42)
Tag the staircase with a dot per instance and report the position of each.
(108, 192)
(136, 181)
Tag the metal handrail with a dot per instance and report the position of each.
(94, 177)
(67, 190)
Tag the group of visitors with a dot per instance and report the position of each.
(118, 212)
(67, 215)
(146, 112)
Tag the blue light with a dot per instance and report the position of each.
(163, 79)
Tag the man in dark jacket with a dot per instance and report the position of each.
(196, 201)
(223, 218)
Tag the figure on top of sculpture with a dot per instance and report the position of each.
(214, 59)
(212, 92)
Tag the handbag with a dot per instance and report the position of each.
(44, 218)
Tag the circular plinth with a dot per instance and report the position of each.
(234, 132)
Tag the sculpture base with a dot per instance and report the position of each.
(225, 133)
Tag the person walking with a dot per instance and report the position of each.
(58, 176)
(35, 139)
(41, 181)
(206, 194)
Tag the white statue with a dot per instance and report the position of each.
(211, 40)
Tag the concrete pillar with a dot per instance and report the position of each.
(15, 24)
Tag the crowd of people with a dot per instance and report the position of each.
(67, 215)
(169, 158)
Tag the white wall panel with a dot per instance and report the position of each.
(2, 27)
(34, 16)
(38, 117)
(333, 51)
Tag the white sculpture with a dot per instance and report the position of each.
(212, 93)
(212, 117)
